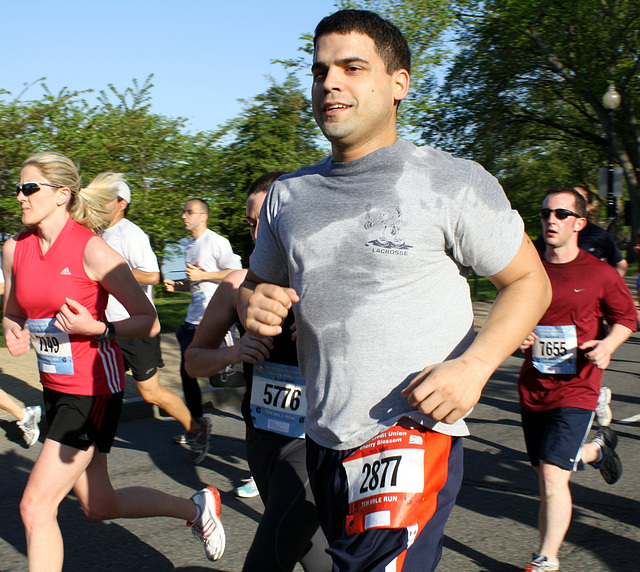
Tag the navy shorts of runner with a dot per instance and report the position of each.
(556, 436)
(79, 421)
(142, 356)
(357, 544)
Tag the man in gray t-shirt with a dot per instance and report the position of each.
(371, 247)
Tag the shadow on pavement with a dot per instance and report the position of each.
(79, 532)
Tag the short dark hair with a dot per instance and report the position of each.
(203, 204)
(579, 201)
(262, 183)
(387, 38)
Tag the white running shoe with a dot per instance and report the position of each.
(248, 490)
(540, 562)
(208, 528)
(603, 411)
(29, 424)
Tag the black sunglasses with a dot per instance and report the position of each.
(561, 214)
(30, 188)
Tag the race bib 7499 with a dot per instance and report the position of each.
(52, 347)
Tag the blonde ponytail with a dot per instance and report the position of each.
(91, 205)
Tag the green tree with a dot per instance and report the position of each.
(28, 126)
(428, 26)
(163, 163)
(529, 80)
(153, 151)
(275, 132)
(119, 133)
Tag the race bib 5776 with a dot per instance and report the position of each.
(278, 399)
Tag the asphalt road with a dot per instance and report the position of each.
(492, 528)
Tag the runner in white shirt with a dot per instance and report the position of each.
(142, 355)
(208, 258)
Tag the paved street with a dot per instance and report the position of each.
(492, 528)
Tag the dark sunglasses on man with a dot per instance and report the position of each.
(561, 214)
(28, 189)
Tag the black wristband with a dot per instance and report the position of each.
(109, 332)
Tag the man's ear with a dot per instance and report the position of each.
(401, 84)
(580, 223)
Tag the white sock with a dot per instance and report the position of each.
(600, 455)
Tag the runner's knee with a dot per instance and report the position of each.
(34, 512)
(96, 510)
(150, 391)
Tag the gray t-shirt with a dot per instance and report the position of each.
(378, 250)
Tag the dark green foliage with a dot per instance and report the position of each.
(276, 132)
(524, 96)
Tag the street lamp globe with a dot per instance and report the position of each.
(611, 99)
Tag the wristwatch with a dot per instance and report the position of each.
(109, 332)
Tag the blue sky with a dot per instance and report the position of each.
(204, 54)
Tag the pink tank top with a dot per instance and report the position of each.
(68, 363)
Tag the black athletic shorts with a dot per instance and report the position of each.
(142, 356)
(81, 420)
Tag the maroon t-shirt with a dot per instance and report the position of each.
(583, 290)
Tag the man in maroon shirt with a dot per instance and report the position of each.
(565, 356)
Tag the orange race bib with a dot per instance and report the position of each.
(395, 477)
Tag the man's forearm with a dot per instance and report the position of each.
(618, 334)
(622, 267)
(514, 314)
(145, 278)
(216, 276)
(242, 302)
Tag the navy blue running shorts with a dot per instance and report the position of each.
(379, 545)
(557, 435)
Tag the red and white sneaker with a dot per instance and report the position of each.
(208, 528)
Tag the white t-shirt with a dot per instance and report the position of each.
(129, 240)
(211, 253)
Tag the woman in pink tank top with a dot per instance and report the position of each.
(58, 276)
